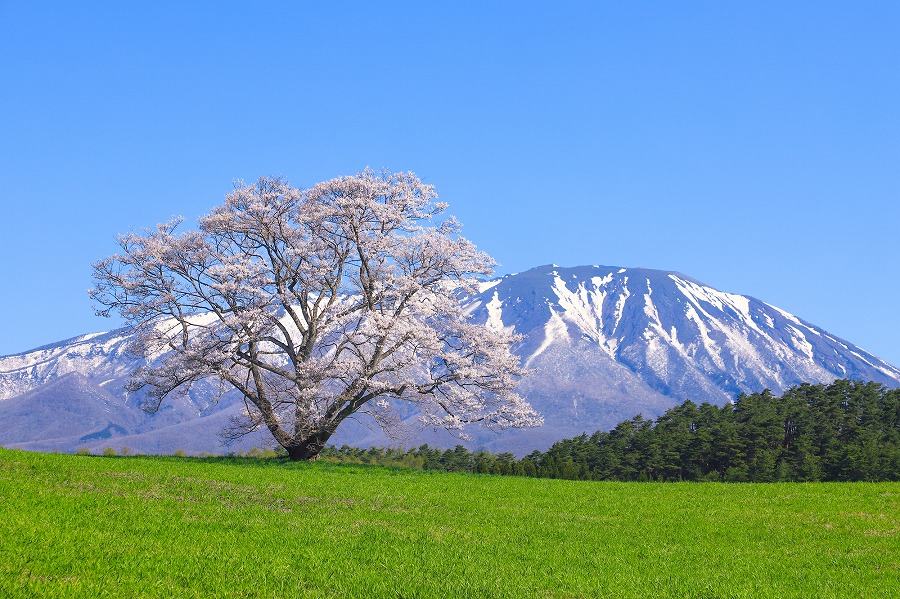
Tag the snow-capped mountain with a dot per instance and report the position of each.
(603, 344)
(680, 337)
(606, 343)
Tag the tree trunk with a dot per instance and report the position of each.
(299, 453)
(307, 449)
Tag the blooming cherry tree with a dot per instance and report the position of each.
(316, 305)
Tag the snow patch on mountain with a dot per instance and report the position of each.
(554, 333)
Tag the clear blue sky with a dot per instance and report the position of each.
(754, 146)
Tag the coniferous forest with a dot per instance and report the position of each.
(844, 431)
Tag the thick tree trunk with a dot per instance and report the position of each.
(299, 453)
(307, 449)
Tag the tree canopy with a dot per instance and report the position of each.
(316, 305)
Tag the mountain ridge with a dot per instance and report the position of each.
(604, 343)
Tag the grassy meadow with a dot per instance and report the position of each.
(82, 526)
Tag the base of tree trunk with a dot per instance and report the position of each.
(308, 452)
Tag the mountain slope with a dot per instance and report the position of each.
(102, 357)
(682, 338)
(65, 407)
(603, 344)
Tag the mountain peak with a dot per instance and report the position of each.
(678, 335)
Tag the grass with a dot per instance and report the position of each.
(80, 526)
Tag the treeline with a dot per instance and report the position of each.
(845, 431)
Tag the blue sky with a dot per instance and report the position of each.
(753, 146)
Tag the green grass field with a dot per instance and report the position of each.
(78, 526)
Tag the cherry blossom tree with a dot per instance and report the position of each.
(317, 305)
